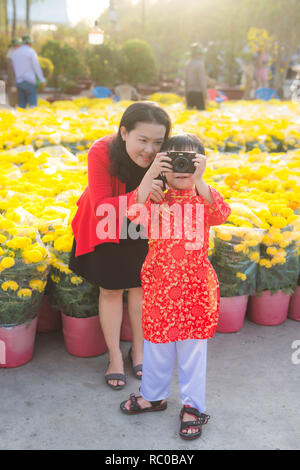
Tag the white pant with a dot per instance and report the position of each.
(158, 364)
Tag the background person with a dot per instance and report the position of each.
(27, 69)
(195, 80)
(116, 166)
(11, 79)
(262, 69)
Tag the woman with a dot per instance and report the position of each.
(113, 261)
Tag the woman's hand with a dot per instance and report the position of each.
(160, 165)
(157, 194)
(200, 165)
(148, 185)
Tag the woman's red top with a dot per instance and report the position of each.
(103, 188)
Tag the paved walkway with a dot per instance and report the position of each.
(59, 401)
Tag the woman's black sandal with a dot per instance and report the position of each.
(201, 418)
(135, 408)
(137, 368)
(115, 376)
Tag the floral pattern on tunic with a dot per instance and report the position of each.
(180, 287)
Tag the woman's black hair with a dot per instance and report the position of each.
(182, 142)
(141, 111)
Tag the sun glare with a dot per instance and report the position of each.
(87, 9)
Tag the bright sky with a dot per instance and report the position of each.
(85, 9)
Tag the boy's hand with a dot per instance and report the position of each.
(200, 165)
(159, 165)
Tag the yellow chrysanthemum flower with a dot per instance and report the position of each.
(76, 280)
(32, 256)
(24, 293)
(37, 284)
(7, 262)
(9, 285)
(241, 276)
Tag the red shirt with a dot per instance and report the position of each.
(103, 188)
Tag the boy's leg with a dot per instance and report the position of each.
(158, 364)
(191, 355)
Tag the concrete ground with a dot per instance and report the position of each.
(59, 401)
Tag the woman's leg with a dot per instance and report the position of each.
(135, 297)
(110, 315)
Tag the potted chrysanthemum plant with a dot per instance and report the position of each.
(24, 267)
(277, 274)
(234, 257)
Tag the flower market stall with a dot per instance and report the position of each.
(253, 151)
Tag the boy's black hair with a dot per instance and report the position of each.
(184, 142)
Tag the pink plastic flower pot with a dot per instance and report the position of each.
(294, 306)
(267, 309)
(232, 313)
(17, 343)
(83, 336)
(126, 333)
(49, 318)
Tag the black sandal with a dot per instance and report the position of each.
(201, 418)
(137, 368)
(135, 408)
(115, 376)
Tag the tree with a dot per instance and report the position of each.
(68, 65)
(103, 63)
(14, 19)
(220, 26)
(28, 4)
(138, 64)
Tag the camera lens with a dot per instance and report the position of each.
(181, 164)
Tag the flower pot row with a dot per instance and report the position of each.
(83, 337)
(263, 309)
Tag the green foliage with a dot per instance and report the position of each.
(73, 295)
(68, 64)
(46, 66)
(279, 276)
(102, 62)
(138, 64)
(4, 43)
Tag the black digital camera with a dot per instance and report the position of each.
(182, 162)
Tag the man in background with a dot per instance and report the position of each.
(195, 80)
(27, 69)
(11, 79)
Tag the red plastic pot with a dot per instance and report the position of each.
(126, 333)
(17, 343)
(267, 309)
(83, 336)
(49, 318)
(232, 313)
(294, 306)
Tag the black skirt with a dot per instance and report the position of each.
(112, 265)
(115, 265)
